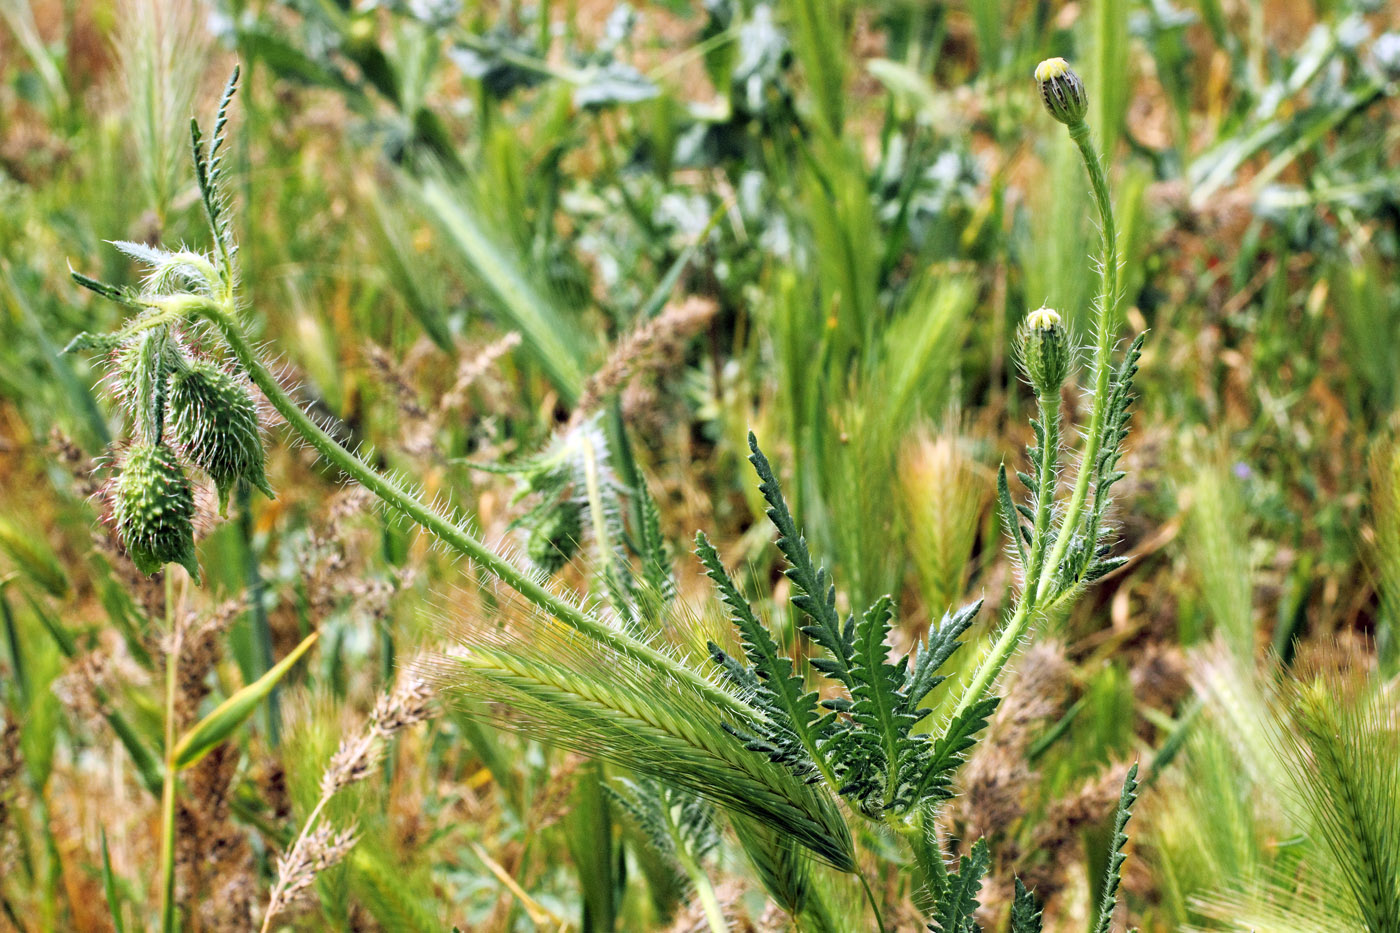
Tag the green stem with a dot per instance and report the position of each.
(914, 830)
(1105, 327)
(1024, 613)
(714, 913)
(446, 530)
(167, 799)
(870, 896)
(1045, 491)
(1042, 568)
(991, 665)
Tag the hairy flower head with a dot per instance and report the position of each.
(215, 424)
(1062, 90)
(1045, 350)
(153, 506)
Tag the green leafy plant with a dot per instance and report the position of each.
(744, 730)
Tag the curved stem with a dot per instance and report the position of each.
(444, 528)
(870, 896)
(704, 890)
(1105, 327)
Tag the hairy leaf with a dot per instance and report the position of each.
(957, 900)
(1025, 911)
(1116, 856)
(816, 596)
(788, 707)
(931, 777)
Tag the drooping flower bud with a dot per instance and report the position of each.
(215, 424)
(1045, 350)
(555, 539)
(1062, 90)
(153, 506)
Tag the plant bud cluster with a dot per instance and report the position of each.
(153, 506)
(187, 411)
(214, 423)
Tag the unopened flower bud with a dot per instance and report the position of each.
(1045, 350)
(153, 507)
(1062, 90)
(215, 424)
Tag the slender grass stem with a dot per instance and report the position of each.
(705, 891)
(874, 907)
(445, 529)
(306, 827)
(167, 798)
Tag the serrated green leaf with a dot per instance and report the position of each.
(816, 597)
(956, 907)
(1116, 856)
(781, 695)
(1025, 911)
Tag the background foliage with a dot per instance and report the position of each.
(467, 226)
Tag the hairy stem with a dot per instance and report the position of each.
(445, 529)
(1041, 573)
(1105, 327)
(990, 668)
(995, 660)
(1045, 491)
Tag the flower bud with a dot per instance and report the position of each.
(1045, 350)
(153, 507)
(215, 424)
(1062, 90)
(555, 538)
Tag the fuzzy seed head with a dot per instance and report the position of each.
(153, 507)
(215, 424)
(1045, 350)
(1062, 90)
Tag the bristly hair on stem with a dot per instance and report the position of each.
(1062, 547)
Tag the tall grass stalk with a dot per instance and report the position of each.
(174, 633)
